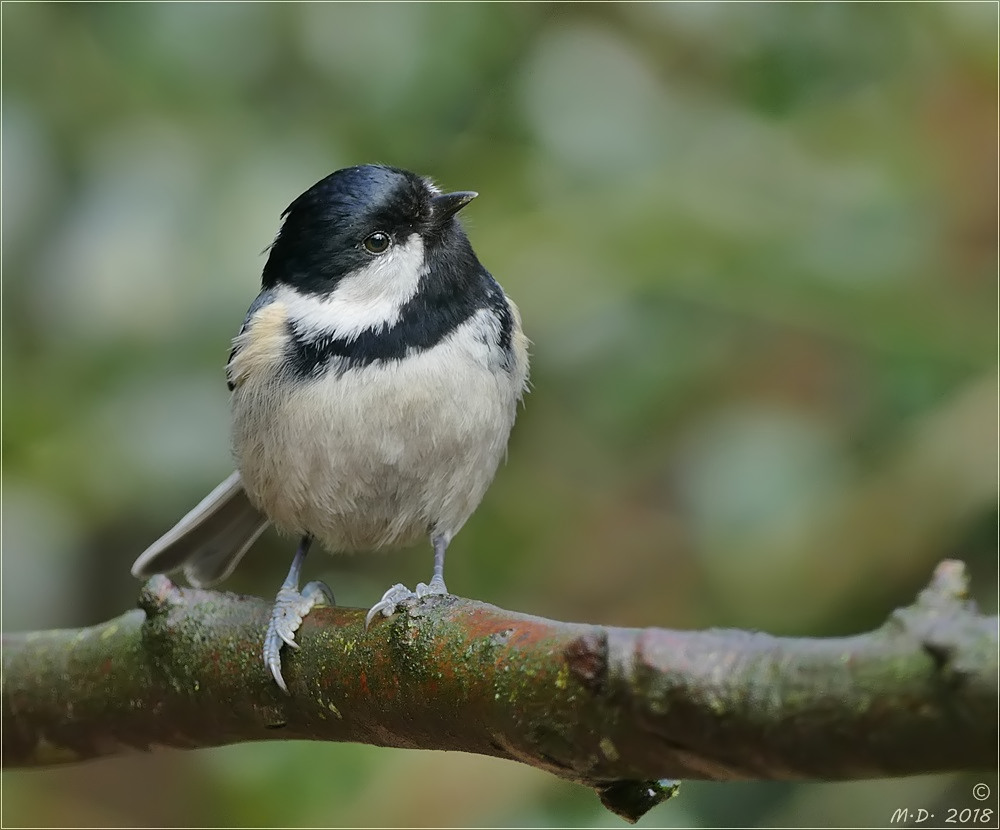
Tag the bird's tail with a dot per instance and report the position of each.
(210, 540)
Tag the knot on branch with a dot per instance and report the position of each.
(944, 620)
(587, 658)
(158, 595)
(631, 800)
(949, 587)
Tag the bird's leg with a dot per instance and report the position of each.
(437, 585)
(399, 593)
(290, 606)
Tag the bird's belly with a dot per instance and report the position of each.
(376, 456)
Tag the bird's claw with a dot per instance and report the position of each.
(391, 599)
(398, 594)
(436, 588)
(290, 607)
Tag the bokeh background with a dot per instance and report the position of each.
(755, 248)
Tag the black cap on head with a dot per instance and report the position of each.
(321, 237)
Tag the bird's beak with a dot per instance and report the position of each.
(446, 205)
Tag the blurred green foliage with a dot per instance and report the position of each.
(755, 248)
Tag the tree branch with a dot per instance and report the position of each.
(615, 709)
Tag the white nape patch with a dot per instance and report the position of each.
(370, 298)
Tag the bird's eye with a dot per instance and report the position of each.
(377, 243)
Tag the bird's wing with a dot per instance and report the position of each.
(210, 540)
(266, 297)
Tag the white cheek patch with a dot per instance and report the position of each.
(370, 298)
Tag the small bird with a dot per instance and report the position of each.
(374, 385)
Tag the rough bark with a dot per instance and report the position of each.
(619, 710)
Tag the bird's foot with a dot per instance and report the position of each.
(290, 607)
(398, 594)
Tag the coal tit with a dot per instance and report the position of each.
(374, 385)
